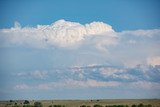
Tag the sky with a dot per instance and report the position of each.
(122, 15)
(84, 49)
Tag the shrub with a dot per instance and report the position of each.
(126, 106)
(120, 106)
(57, 106)
(116, 106)
(83, 106)
(141, 105)
(133, 105)
(16, 106)
(11, 101)
(15, 103)
(149, 105)
(28, 106)
(26, 102)
(38, 104)
(97, 105)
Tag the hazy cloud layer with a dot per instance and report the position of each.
(140, 77)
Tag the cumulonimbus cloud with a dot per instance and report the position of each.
(60, 33)
(93, 40)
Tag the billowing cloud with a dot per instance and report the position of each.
(96, 42)
(61, 33)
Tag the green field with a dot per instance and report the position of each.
(78, 103)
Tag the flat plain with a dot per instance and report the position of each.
(90, 103)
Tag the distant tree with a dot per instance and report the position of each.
(134, 105)
(58, 106)
(11, 101)
(83, 106)
(16, 106)
(116, 106)
(141, 105)
(38, 104)
(28, 106)
(149, 105)
(26, 102)
(97, 105)
(15, 103)
(120, 106)
(126, 106)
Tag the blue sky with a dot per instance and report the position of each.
(122, 15)
(84, 49)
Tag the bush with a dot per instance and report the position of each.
(133, 105)
(11, 101)
(83, 106)
(141, 105)
(116, 106)
(16, 106)
(149, 105)
(56, 106)
(120, 106)
(28, 106)
(15, 103)
(126, 106)
(38, 104)
(97, 105)
(26, 102)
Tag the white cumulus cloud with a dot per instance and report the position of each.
(60, 33)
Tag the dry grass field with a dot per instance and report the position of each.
(89, 103)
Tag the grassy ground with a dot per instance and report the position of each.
(78, 103)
